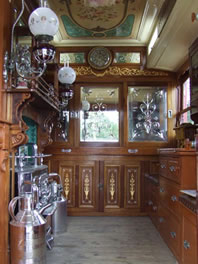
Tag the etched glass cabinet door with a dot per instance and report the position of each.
(147, 113)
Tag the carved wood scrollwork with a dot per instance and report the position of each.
(20, 102)
(48, 124)
(4, 156)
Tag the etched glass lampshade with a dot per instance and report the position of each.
(66, 75)
(43, 23)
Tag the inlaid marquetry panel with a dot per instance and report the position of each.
(112, 186)
(132, 186)
(68, 180)
(87, 186)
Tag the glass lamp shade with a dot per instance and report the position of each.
(43, 21)
(44, 53)
(66, 75)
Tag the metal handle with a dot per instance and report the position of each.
(161, 189)
(161, 219)
(186, 244)
(155, 208)
(172, 168)
(12, 206)
(173, 234)
(163, 166)
(66, 150)
(174, 198)
(132, 150)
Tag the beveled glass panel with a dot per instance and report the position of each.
(127, 57)
(147, 114)
(99, 115)
(72, 57)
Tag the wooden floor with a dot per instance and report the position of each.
(110, 240)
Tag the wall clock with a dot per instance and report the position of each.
(99, 58)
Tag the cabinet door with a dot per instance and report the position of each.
(132, 186)
(112, 186)
(80, 181)
(68, 172)
(87, 186)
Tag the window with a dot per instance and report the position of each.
(147, 114)
(185, 116)
(99, 114)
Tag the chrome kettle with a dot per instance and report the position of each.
(27, 231)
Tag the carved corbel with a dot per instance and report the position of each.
(46, 130)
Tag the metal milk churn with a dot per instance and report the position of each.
(27, 232)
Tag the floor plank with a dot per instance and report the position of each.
(109, 240)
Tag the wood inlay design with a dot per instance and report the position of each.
(67, 175)
(132, 186)
(66, 185)
(112, 186)
(86, 186)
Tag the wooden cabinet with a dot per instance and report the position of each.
(80, 184)
(100, 185)
(121, 185)
(177, 171)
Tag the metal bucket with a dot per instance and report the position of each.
(27, 233)
(59, 218)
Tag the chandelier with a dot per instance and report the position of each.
(43, 24)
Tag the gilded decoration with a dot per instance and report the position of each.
(112, 186)
(117, 71)
(66, 186)
(86, 186)
(132, 186)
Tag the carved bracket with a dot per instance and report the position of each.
(46, 129)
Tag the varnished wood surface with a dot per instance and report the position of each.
(110, 240)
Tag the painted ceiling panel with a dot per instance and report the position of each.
(99, 18)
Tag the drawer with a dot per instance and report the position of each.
(174, 232)
(163, 216)
(169, 196)
(163, 167)
(173, 170)
(170, 229)
(189, 242)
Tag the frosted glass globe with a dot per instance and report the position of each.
(43, 21)
(66, 75)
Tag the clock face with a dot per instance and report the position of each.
(99, 58)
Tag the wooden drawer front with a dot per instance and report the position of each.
(173, 170)
(189, 242)
(169, 196)
(174, 232)
(163, 167)
(163, 221)
(169, 228)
